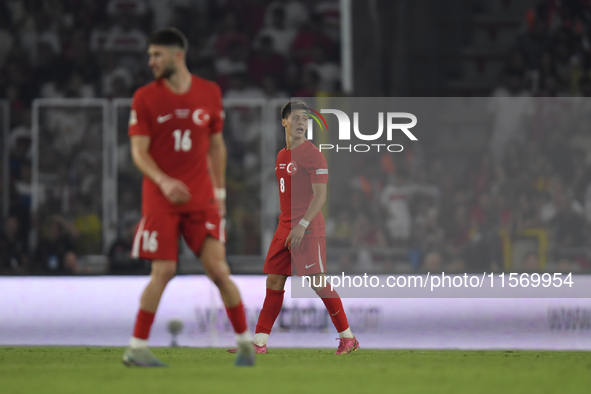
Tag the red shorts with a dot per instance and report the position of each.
(308, 259)
(157, 234)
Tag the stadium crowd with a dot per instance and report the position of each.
(86, 49)
(534, 183)
(552, 57)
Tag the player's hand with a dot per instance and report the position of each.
(222, 206)
(174, 190)
(294, 239)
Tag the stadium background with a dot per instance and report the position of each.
(70, 194)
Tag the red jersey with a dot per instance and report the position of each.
(296, 171)
(180, 126)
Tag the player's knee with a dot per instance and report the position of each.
(275, 282)
(318, 282)
(220, 275)
(164, 272)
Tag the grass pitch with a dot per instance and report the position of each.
(93, 370)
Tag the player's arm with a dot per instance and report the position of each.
(297, 233)
(173, 189)
(217, 160)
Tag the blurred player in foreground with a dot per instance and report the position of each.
(302, 174)
(175, 128)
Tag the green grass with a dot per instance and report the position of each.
(99, 370)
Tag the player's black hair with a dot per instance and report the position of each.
(170, 37)
(292, 106)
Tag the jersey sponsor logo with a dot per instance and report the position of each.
(132, 118)
(210, 226)
(322, 171)
(162, 119)
(200, 117)
(223, 114)
(292, 168)
(182, 113)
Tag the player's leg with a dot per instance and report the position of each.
(310, 260)
(162, 272)
(334, 306)
(157, 240)
(138, 354)
(270, 311)
(278, 268)
(205, 234)
(213, 258)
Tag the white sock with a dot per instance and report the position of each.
(346, 334)
(244, 337)
(137, 343)
(260, 339)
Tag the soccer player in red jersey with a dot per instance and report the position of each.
(300, 237)
(175, 129)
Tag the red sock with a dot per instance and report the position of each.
(237, 318)
(271, 308)
(333, 304)
(143, 323)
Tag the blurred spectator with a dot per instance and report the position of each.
(13, 253)
(55, 250)
(484, 252)
(526, 215)
(308, 38)
(551, 86)
(510, 117)
(310, 84)
(23, 186)
(77, 88)
(234, 62)
(252, 13)
(432, 262)
(559, 197)
(459, 236)
(366, 234)
(89, 226)
(339, 231)
(330, 10)
(296, 13)
(531, 262)
(240, 88)
(281, 35)
(270, 89)
(129, 206)
(228, 32)
(125, 37)
(329, 72)
(266, 62)
(52, 71)
(112, 73)
(126, 8)
(6, 39)
(534, 42)
(395, 200)
(567, 225)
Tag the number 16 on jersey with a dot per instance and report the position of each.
(182, 141)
